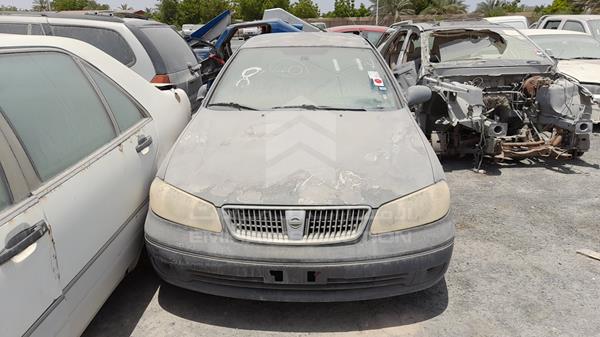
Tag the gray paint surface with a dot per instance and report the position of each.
(300, 157)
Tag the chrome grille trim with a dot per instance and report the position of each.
(322, 225)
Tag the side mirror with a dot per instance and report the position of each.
(202, 93)
(418, 94)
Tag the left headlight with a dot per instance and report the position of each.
(175, 205)
(419, 208)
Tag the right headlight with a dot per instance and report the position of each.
(419, 208)
(175, 205)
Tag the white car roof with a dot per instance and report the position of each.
(506, 18)
(537, 32)
(584, 17)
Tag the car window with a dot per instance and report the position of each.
(274, 78)
(594, 26)
(36, 29)
(569, 46)
(54, 110)
(552, 24)
(5, 199)
(574, 26)
(13, 28)
(174, 52)
(125, 111)
(373, 37)
(106, 40)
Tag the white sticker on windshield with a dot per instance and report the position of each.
(359, 64)
(246, 74)
(375, 78)
(336, 65)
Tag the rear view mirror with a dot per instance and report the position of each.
(418, 94)
(202, 93)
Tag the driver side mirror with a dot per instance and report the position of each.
(202, 93)
(418, 94)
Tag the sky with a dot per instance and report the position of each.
(324, 5)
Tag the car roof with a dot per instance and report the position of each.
(572, 16)
(77, 15)
(443, 25)
(506, 18)
(316, 39)
(536, 32)
(368, 28)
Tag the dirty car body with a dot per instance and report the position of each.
(496, 93)
(272, 193)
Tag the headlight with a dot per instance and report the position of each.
(183, 208)
(422, 207)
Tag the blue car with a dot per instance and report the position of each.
(218, 39)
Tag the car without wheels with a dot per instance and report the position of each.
(303, 177)
(495, 92)
(81, 137)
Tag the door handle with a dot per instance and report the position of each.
(143, 143)
(23, 239)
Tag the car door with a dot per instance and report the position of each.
(29, 278)
(91, 161)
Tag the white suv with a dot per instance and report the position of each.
(589, 24)
(151, 49)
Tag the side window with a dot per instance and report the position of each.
(14, 28)
(106, 40)
(5, 199)
(54, 110)
(125, 111)
(552, 24)
(395, 47)
(574, 26)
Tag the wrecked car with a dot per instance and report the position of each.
(284, 190)
(495, 93)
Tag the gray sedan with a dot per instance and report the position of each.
(303, 177)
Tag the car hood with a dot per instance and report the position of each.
(586, 71)
(300, 157)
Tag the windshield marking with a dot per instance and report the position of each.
(246, 74)
(336, 65)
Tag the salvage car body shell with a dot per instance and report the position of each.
(459, 104)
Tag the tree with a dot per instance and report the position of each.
(393, 9)
(77, 5)
(167, 11)
(253, 9)
(362, 11)
(444, 7)
(491, 8)
(41, 5)
(4, 8)
(125, 7)
(199, 11)
(305, 9)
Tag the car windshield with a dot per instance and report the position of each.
(305, 77)
(483, 44)
(176, 55)
(567, 47)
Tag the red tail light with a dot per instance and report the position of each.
(161, 79)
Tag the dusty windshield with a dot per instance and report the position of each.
(485, 44)
(568, 47)
(305, 77)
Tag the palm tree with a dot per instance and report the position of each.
(41, 5)
(491, 7)
(443, 7)
(587, 6)
(393, 8)
(125, 7)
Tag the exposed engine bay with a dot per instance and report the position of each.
(509, 116)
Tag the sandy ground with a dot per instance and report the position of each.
(514, 272)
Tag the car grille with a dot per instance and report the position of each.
(321, 224)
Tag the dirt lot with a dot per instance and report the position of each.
(514, 272)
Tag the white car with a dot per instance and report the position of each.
(81, 137)
(515, 21)
(589, 24)
(578, 56)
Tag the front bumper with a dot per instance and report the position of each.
(373, 267)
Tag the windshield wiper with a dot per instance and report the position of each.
(233, 105)
(317, 107)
